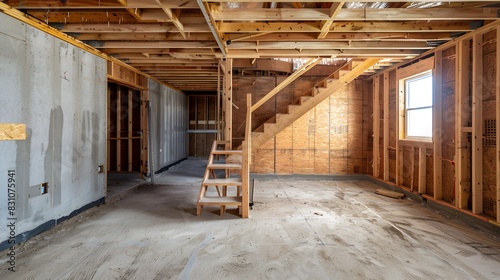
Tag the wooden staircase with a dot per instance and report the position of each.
(321, 91)
(223, 199)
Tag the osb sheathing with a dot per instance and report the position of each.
(329, 139)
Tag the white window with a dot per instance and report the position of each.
(418, 107)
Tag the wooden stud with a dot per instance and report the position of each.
(497, 89)
(118, 128)
(145, 132)
(218, 108)
(462, 151)
(108, 128)
(477, 124)
(386, 126)
(421, 170)
(437, 125)
(129, 130)
(228, 89)
(400, 126)
(376, 126)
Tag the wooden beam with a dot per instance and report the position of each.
(172, 16)
(376, 127)
(131, 28)
(477, 124)
(365, 14)
(213, 26)
(57, 4)
(386, 126)
(336, 36)
(437, 131)
(129, 130)
(368, 26)
(304, 68)
(462, 150)
(348, 53)
(151, 36)
(315, 45)
(327, 24)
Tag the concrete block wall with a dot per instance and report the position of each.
(59, 92)
(168, 125)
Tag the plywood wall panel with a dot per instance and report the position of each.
(303, 161)
(269, 144)
(322, 125)
(263, 161)
(284, 161)
(354, 165)
(284, 139)
(321, 161)
(301, 133)
(338, 165)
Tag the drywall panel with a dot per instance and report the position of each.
(168, 110)
(59, 92)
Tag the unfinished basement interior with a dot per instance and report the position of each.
(218, 139)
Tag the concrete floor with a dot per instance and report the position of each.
(298, 230)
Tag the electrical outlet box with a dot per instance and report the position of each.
(44, 188)
(100, 169)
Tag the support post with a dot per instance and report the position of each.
(386, 126)
(462, 150)
(228, 93)
(477, 127)
(497, 89)
(437, 130)
(376, 126)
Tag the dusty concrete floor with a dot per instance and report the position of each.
(297, 230)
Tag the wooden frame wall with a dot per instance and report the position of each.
(468, 88)
(137, 108)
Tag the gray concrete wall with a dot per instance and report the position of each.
(59, 92)
(168, 125)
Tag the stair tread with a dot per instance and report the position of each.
(223, 181)
(220, 200)
(227, 152)
(224, 166)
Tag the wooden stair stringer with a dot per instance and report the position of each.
(259, 138)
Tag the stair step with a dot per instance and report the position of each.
(220, 200)
(304, 99)
(224, 166)
(292, 107)
(227, 152)
(223, 182)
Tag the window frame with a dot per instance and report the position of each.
(404, 73)
(406, 80)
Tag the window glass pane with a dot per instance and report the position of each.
(419, 123)
(419, 92)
